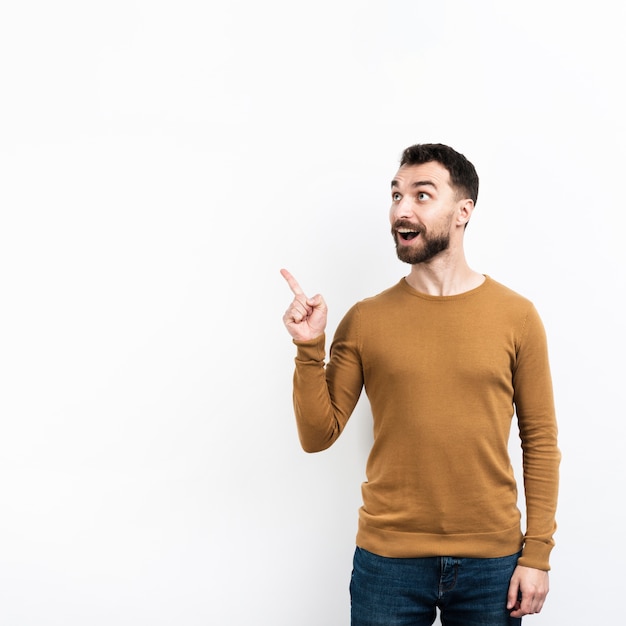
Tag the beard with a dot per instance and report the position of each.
(431, 245)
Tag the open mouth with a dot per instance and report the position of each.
(407, 233)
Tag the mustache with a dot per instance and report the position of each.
(406, 224)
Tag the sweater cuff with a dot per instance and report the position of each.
(312, 350)
(536, 555)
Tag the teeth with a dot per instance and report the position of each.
(407, 230)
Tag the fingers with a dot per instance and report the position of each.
(527, 591)
(300, 308)
(530, 608)
(513, 603)
(531, 603)
(292, 282)
(305, 319)
(297, 311)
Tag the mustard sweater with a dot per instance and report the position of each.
(444, 376)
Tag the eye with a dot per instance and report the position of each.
(422, 196)
(395, 196)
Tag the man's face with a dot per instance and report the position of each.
(423, 208)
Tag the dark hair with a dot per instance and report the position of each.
(463, 175)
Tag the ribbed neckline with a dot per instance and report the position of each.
(404, 285)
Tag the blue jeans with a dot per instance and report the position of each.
(407, 592)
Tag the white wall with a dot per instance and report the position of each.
(159, 162)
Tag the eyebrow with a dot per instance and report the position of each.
(417, 183)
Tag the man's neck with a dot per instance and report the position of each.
(441, 278)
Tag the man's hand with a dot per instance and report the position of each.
(532, 585)
(305, 319)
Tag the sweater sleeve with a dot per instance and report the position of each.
(324, 395)
(534, 404)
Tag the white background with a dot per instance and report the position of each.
(159, 163)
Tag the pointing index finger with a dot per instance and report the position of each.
(292, 282)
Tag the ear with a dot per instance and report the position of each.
(464, 211)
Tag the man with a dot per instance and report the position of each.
(447, 357)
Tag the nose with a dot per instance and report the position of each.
(402, 209)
